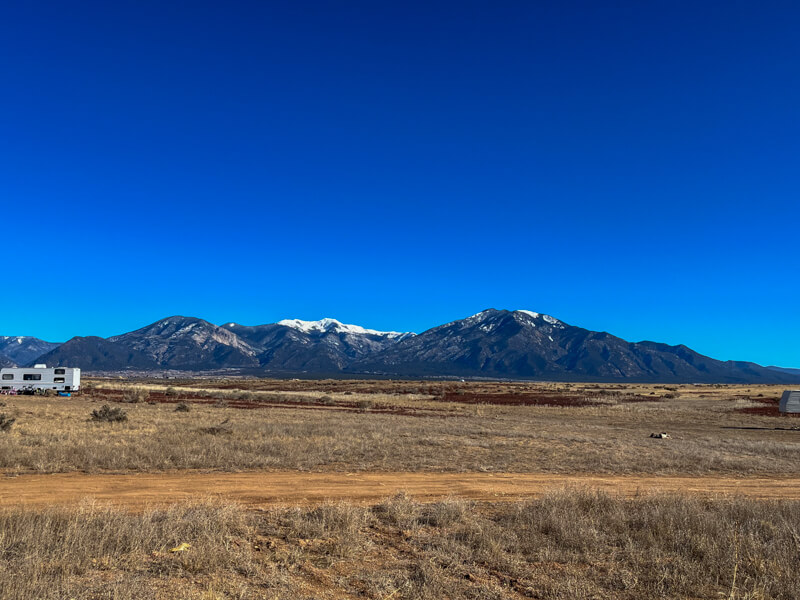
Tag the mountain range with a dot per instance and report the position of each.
(22, 350)
(517, 344)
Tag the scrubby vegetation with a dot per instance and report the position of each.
(109, 415)
(6, 422)
(572, 544)
(223, 428)
(135, 395)
(569, 544)
(334, 430)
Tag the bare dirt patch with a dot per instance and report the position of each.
(141, 490)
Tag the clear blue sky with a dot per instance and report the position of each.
(631, 167)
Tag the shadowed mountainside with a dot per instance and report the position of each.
(493, 343)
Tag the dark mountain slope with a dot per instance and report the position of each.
(24, 350)
(494, 344)
(96, 354)
(500, 343)
(788, 371)
(189, 343)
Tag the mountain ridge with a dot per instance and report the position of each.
(519, 344)
(22, 349)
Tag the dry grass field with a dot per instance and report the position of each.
(570, 544)
(573, 542)
(554, 428)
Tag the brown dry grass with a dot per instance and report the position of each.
(570, 544)
(574, 543)
(344, 432)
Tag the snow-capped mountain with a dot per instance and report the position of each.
(186, 343)
(21, 349)
(334, 326)
(322, 346)
(491, 343)
(526, 344)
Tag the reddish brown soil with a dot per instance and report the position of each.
(308, 404)
(137, 491)
(517, 399)
(498, 399)
(769, 408)
(631, 398)
(539, 399)
(766, 411)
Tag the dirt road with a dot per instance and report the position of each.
(136, 491)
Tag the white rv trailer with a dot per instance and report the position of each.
(790, 402)
(40, 377)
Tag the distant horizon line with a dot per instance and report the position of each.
(279, 322)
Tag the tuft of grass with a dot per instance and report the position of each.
(182, 407)
(339, 526)
(572, 543)
(135, 395)
(223, 428)
(108, 414)
(400, 510)
(6, 422)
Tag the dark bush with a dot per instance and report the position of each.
(365, 404)
(109, 415)
(135, 395)
(6, 422)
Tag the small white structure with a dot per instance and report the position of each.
(39, 377)
(790, 401)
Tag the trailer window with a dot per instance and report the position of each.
(8, 376)
(58, 380)
(32, 377)
(60, 371)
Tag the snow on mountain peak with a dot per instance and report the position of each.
(530, 313)
(332, 325)
(546, 318)
(484, 314)
(480, 316)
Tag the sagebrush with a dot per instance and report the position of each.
(573, 543)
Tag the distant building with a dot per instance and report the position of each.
(790, 401)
